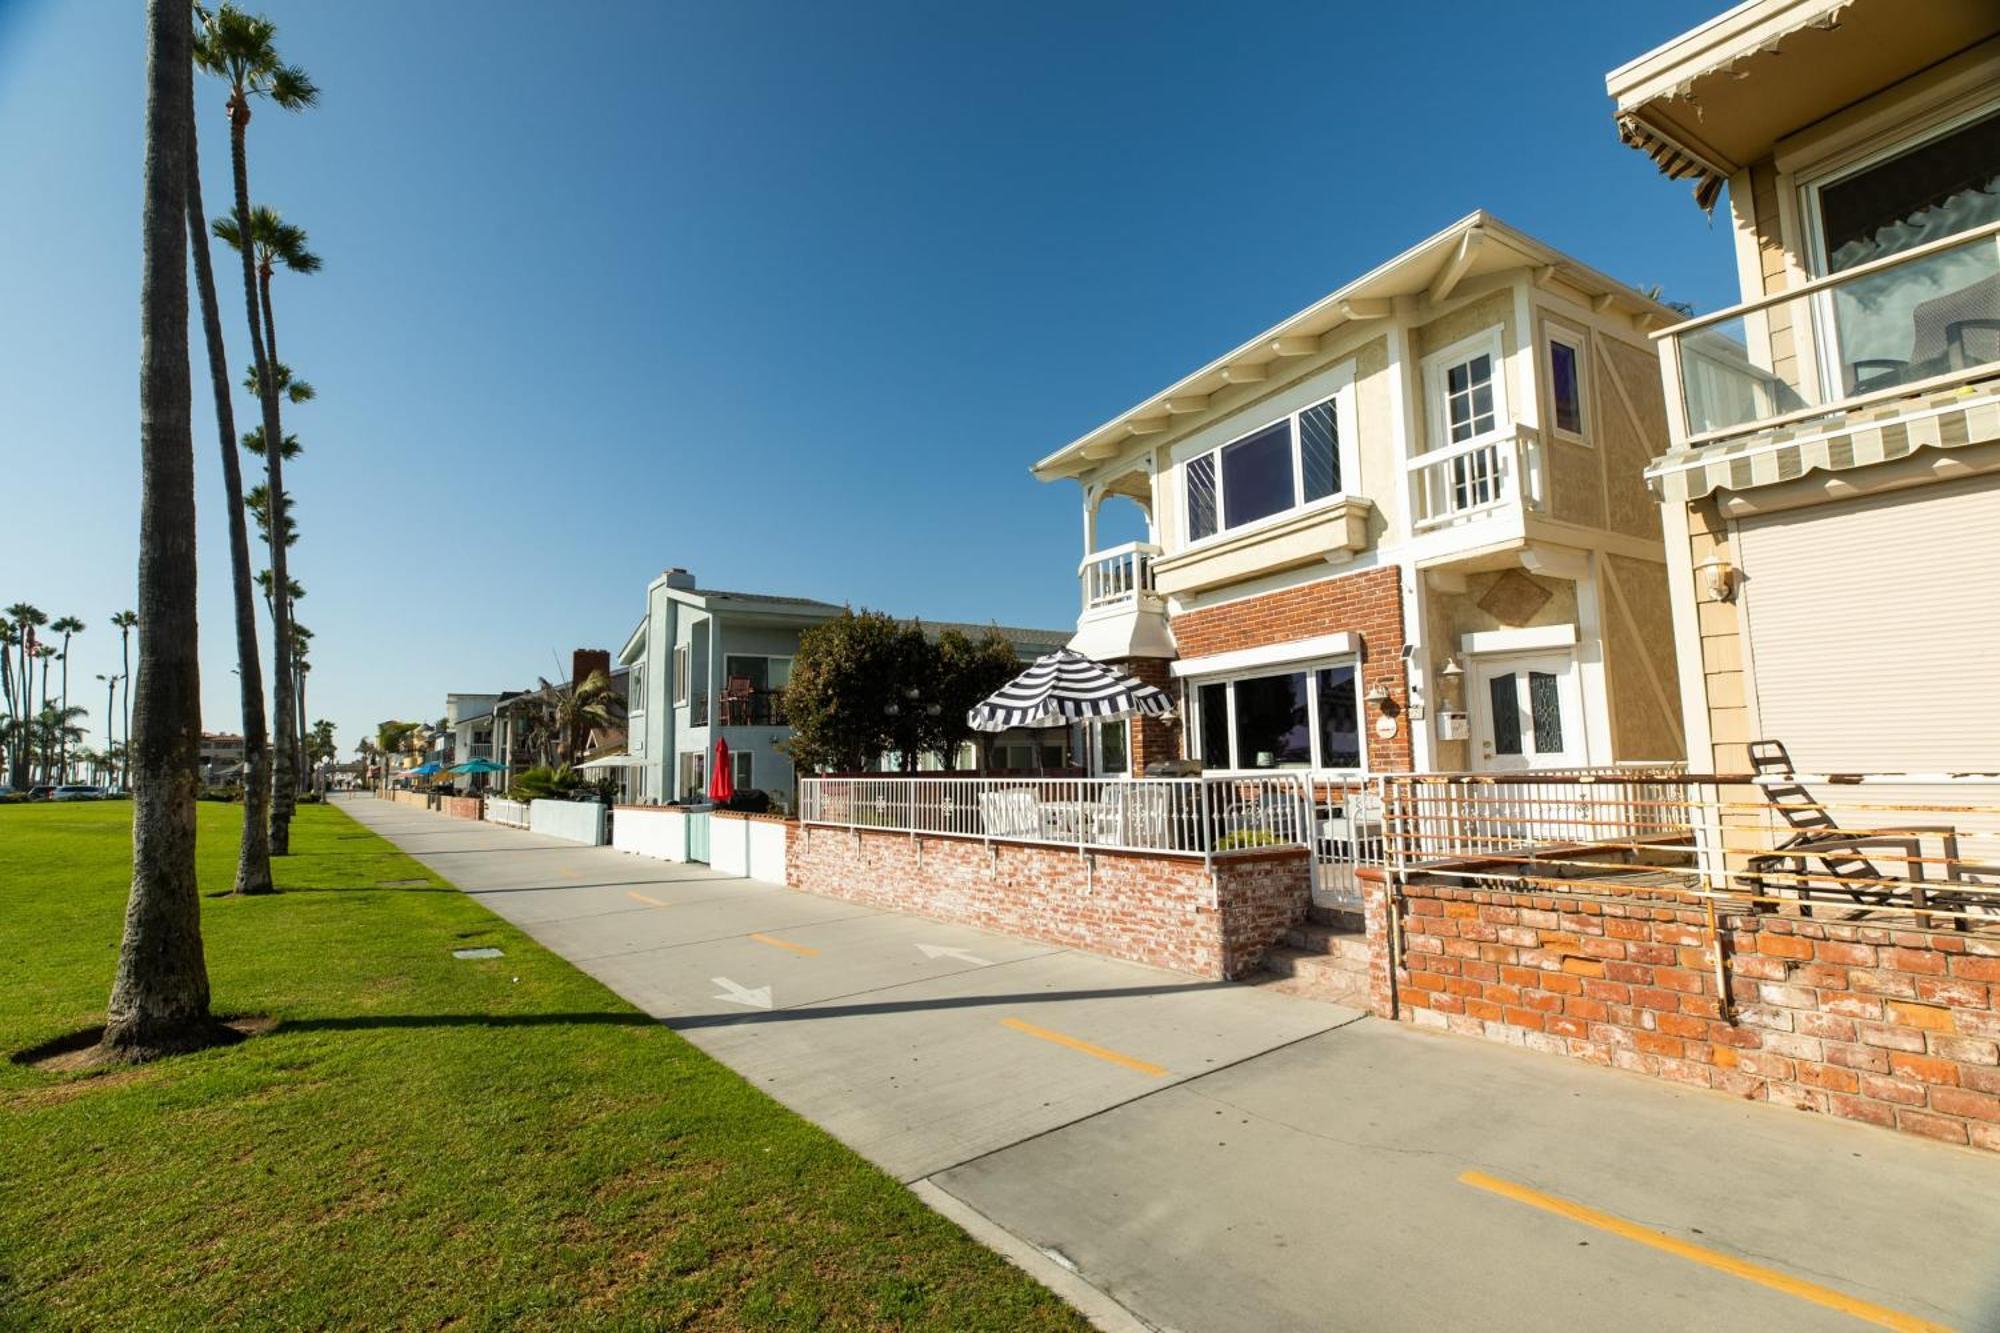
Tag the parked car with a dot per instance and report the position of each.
(42, 793)
(77, 792)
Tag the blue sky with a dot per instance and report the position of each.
(788, 294)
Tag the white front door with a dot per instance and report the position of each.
(1526, 714)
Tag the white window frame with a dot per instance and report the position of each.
(683, 660)
(742, 770)
(1310, 666)
(1579, 344)
(1437, 413)
(1336, 387)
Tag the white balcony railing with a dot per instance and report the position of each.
(1498, 471)
(1923, 319)
(1120, 576)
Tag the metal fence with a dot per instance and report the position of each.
(1914, 845)
(1196, 816)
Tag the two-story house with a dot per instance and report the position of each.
(708, 665)
(1405, 528)
(1831, 500)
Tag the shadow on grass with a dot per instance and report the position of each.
(364, 1022)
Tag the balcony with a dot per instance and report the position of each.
(1124, 615)
(758, 708)
(1907, 325)
(1479, 491)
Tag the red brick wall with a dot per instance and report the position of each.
(1369, 604)
(1896, 1027)
(460, 807)
(1152, 738)
(1159, 910)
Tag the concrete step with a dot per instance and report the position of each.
(1313, 976)
(1344, 918)
(1334, 941)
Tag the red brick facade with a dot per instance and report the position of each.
(1152, 739)
(1368, 604)
(1895, 1027)
(1165, 911)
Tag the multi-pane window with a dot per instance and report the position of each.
(1468, 398)
(741, 770)
(1285, 465)
(1467, 408)
(1306, 718)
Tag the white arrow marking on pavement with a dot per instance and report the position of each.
(963, 955)
(759, 998)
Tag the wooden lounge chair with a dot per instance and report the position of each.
(1842, 855)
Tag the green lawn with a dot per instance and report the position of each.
(421, 1140)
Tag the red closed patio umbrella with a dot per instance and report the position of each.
(721, 782)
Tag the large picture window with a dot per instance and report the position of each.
(1304, 718)
(1285, 465)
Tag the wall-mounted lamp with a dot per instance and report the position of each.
(1379, 696)
(1717, 580)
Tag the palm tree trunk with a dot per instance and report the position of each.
(159, 999)
(65, 706)
(283, 765)
(125, 647)
(253, 857)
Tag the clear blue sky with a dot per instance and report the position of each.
(787, 294)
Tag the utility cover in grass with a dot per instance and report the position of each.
(475, 953)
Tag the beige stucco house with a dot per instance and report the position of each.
(1831, 500)
(1406, 527)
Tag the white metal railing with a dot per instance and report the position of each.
(1499, 470)
(1926, 318)
(1917, 844)
(1197, 816)
(501, 811)
(1119, 575)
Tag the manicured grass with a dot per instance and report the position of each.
(421, 1140)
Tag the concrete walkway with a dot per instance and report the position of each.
(1206, 1156)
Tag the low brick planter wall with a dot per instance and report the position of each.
(1161, 910)
(460, 807)
(421, 800)
(1893, 1026)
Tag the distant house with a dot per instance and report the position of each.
(221, 758)
(707, 664)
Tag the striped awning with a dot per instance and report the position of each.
(1066, 687)
(1674, 161)
(1879, 434)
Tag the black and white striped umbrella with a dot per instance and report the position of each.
(1066, 687)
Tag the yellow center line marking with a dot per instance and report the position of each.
(1880, 1315)
(642, 898)
(803, 950)
(1077, 1044)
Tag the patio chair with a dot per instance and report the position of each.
(1015, 813)
(1841, 854)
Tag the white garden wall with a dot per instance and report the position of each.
(655, 833)
(575, 821)
(512, 813)
(753, 848)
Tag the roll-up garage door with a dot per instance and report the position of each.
(1874, 629)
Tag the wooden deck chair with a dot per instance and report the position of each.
(1817, 838)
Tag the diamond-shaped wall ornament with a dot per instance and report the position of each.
(1514, 598)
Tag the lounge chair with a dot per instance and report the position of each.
(1014, 813)
(1841, 854)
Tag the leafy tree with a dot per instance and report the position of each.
(968, 671)
(159, 997)
(850, 698)
(242, 49)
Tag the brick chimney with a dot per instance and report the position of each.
(586, 660)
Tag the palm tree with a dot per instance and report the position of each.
(56, 730)
(126, 621)
(10, 638)
(253, 857)
(242, 49)
(580, 707)
(159, 998)
(110, 706)
(66, 626)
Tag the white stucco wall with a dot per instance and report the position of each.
(661, 834)
(575, 821)
(753, 848)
